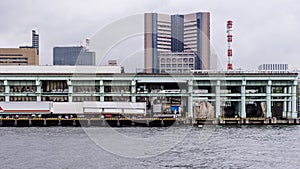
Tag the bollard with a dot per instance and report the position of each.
(162, 123)
(16, 123)
(74, 123)
(29, 123)
(147, 123)
(59, 122)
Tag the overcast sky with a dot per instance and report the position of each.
(265, 31)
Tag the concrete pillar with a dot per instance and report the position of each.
(284, 103)
(133, 91)
(190, 98)
(70, 91)
(289, 111)
(218, 99)
(7, 90)
(243, 100)
(101, 91)
(269, 102)
(38, 90)
(294, 101)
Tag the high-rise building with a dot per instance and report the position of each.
(73, 55)
(177, 43)
(35, 40)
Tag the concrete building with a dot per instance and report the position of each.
(177, 43)
(19, 56)
(24, 55)
(276, 66)
(225, 94)
(73, 55)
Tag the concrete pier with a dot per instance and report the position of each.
(143, 122)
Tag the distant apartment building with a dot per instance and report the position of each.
(277, 66)
(24, 55)
(19, 56)
(73, 55)
(176, 43)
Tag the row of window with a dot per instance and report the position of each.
(175, 70)
(177, 59)
(177, 65)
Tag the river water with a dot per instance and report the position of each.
(173, 147)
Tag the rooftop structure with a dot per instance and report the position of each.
(276, 66)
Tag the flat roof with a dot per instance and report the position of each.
(34, 69)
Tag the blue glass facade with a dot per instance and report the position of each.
(154, 40)
(177, 31)
(199, 42)
(72, 56)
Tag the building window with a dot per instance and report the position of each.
(174, 65)
(168, 65)
(173, 59)
(191, 60)
(162, 59)
(168, 60)
(163, 66)
(179, 65)
(185, 60)
(179, 59)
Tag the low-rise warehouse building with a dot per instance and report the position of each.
(205, 94)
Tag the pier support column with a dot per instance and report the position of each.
(284, 103)
(70, 91)
(38, 90)
(190, 99)
(218, 99)
(7, 90)
(243, 100)
(269, 102)
(133, 91)
(101, 91)
(294, 100)
(289, 111)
